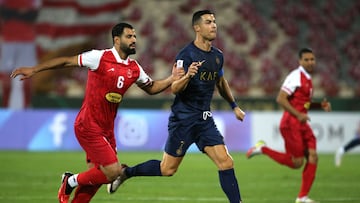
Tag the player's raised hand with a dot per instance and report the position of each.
(24, 72)
(193, 68)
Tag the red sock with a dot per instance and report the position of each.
(84, 193)
(93, 176)
(281, 158)
(308, 177)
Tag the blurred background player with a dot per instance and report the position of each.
(347, 147)
(18, 48)
(300, 143)
(191, 120)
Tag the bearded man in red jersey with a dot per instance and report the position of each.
(110, 73)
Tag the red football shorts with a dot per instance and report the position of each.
(298, 137)
(100, 149)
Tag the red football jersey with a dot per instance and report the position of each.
(109, 77)
(298, 85)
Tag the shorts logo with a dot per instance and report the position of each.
(113, 97)
(180, 149)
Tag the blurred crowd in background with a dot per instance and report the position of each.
(260, 40)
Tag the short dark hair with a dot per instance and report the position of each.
(304, 50)
(197, 15)
(118, 29)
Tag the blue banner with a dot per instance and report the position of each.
(135, 130)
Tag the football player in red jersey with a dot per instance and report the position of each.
(110, 73)
(295, 97)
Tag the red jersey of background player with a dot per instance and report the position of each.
(109, 77)
(299, 87)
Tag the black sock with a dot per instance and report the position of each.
(148, 168)
(353, 143)
(230, 185)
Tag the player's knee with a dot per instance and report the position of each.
(226, 164)
(313, 158)
(298, 163)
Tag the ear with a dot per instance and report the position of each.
(116, 40)
(196, 28)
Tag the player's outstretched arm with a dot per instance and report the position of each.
(160, 85)
(60, 62)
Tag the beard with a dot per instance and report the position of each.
(127, 50)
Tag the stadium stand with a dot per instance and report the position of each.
(259, 38)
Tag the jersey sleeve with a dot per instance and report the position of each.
(184, 59)
(221, 70)
(90, 59)
(144, 79)
(291, 82)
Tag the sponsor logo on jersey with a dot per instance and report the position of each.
(113, 97)
(208, 75)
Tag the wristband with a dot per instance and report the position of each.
(233, 105)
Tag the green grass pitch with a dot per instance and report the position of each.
(34, 177)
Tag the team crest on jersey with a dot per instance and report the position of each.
(129, 73)
(307, 105)
(113, 97)
(217, 60)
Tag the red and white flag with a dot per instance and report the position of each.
(66, 22)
